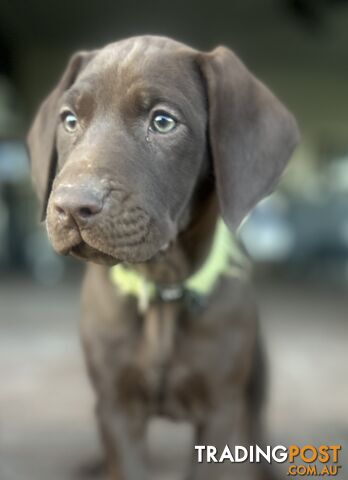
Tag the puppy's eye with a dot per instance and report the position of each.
(163, 122)
(69, 121)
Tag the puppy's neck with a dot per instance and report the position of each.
(189, 251)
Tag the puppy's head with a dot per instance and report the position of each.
(131, 131)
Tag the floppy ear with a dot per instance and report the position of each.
(42, 135)
(252, 135)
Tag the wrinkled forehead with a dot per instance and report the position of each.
(141, 71)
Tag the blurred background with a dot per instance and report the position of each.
(298, 238)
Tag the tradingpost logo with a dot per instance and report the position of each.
(309, 460)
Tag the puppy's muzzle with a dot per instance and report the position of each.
(76, 210)
(91, 218)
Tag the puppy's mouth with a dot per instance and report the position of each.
(83, 251)
(81, 247)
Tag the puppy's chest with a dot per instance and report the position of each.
(164, 374)
(160, 348)
(158, 336)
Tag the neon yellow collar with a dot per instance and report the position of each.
(224, 249)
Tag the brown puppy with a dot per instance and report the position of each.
(134, 154)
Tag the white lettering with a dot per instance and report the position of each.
(211, 452)
(200, 449)
(226, 455)
(282, 457)
(261, 453)
(238, 458)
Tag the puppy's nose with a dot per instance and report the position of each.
(81, 203)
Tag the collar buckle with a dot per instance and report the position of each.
(170, 293)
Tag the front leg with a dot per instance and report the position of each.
(109, 447)
(125, 451)
(109, 328)
(123, 408)
(228, 424)
(141, 444)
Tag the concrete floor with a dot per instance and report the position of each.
(47, 430)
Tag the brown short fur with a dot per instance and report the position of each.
(115, 190)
